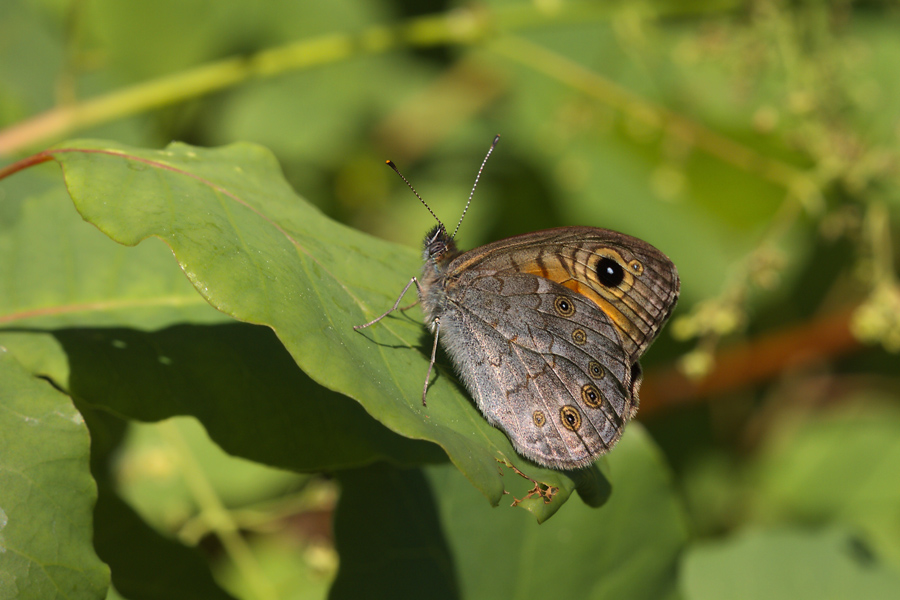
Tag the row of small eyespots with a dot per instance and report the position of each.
(610, 274)
(590, 395)
(566, 309)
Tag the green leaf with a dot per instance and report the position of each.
(629, 548)
(57, 272)
(238, 380)
(389, 537)
(46, 493)
(842, 465)
(786, 564)
(60, 274)
(144, 564)
(256, 251)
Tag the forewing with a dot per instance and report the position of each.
(632, 282)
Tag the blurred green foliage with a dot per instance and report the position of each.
(756, 143)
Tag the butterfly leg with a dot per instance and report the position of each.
(437, 330)
(396, 304)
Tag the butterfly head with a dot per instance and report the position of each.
(439, 246)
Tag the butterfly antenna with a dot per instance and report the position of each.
(477, 177)
(391, 164)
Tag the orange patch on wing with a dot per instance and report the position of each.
(557, 273)
(622, 322)
(579, 288)
(554, 273)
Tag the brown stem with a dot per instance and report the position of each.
(21, 165)
(758, 360)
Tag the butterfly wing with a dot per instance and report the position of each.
(543, 364)
(546, 330)
(632, 282)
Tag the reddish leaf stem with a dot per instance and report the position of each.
(756, 361)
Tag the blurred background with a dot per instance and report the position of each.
(754, 142)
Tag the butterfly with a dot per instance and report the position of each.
(545, 330)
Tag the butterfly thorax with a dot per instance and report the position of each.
(439, 251)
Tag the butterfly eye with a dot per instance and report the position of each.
(610, 272)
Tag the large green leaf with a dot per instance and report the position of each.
(46, 493)
(257, 252)
(842, 465)
(386, 526)
(144, 564)
(786, 564)
(57, 272)
(109, 306)
(629, 548)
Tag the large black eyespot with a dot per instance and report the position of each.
(610, 272)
